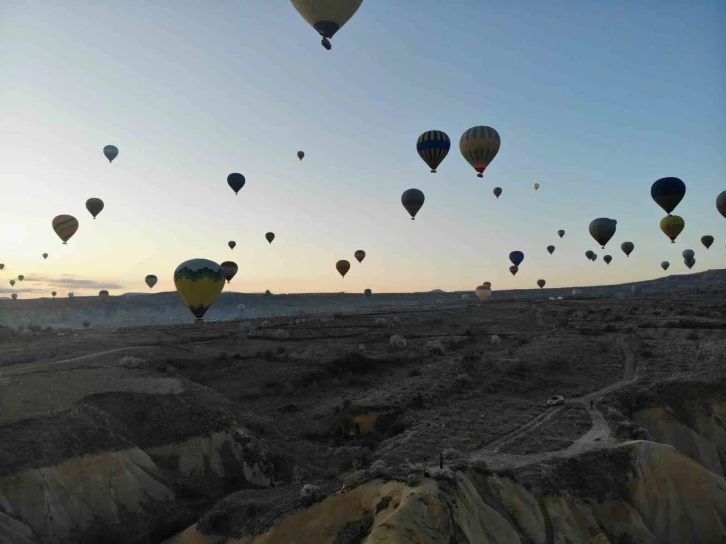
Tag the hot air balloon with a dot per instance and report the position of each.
(412, 200)
(667, 193)
(360, 255)
(688, 254)
(707, 240)
(607, 259)
(45, 255)
(301, 155)
(516, 257)
(483, 292)
(560, 233)
(589, 254)
(65, 226)
(14, 296)
(551, 249)
(664, 265)
(541, 283)
(432, 147)
(535, 186)
(94, 206)
(479, 145)
(2, 266)
(627, 248)
(151, 280)
(487, 284)
(230, 269)
(602, 229)
(12, 283)
(53, 293)
(70, 295)
(326, 16)
(514, 269)
(367, 292)
(721, 203)
(342, 267)
(594, 257)
(199, 282)
(111, 152)
(21, 277)
(236, 182)
(103, 294)
(689, 263)
(672, 226)
(231, 244)
(497, 191)
(270, 236)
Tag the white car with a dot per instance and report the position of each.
(555, 400)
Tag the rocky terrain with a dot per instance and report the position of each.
(328, 427)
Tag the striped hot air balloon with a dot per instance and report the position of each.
(65, 226)
(479, 145)
(111, 152)
(230, 270)
(432, 147)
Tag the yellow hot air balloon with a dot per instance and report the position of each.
(199, 282)
(479, 146)
(672, 226)
(65, 226)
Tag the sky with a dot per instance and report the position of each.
(593, 100)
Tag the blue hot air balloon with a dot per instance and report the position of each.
(516, 257)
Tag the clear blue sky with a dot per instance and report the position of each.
(593, 100)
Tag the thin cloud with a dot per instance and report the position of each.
(67, 280)
(20, 291)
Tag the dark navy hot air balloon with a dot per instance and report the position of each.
(236, 182)
(432, 147)
(516, 258)
(412, 200)
(667, 193)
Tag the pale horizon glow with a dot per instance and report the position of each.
(594, 101)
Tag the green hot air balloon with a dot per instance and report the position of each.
(94, 206)
(602, 229)
(327, 17)
(627, 248)
(412, 200)
(199, 282)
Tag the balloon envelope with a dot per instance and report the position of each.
(664, 265)
(541, 283)
(230, 270)
(602, 229)
(479, 145)
(65, 226)
(514, 269)
(327, 17)
(236, 182)
(53, 293)
(412, 200)
(497, 191)
(111, 152)
(551, 249)
(151, 280)
(688, 254)
(367, 292)
(432, 147)
(667, 193)
(483, 292)
(12, 282)
(689, 262)
(607, 259)
(560, 233)
(721, 203)
(360, 255)
(21, 277)
(231, 244)
(270, 236)
(516, 257)
(672, 226)
(535, 186)
(589, 254)
(45, 255)
(342, 267)
(14, 296)
(2, 266)
(103, 293)
(300, 155)
(199, 282)
(707, 240)
(94, 206)
(627, 248)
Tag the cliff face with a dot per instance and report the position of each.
(660, 496)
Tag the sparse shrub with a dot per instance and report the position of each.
(434, 347)
(463, 380)
(495, 339)
(383, 504)
(396, 319)
(361, 347)
(398, 342)
(451, 454)
(609, 328)
(269, 354)
(693, 335)
(280, 350)
(414, 372)
(381, 322)
(417, 401)
(130, 361)
(379, 469)
(310, 494)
